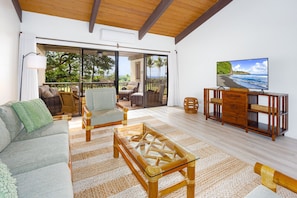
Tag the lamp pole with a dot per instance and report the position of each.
(22, 71)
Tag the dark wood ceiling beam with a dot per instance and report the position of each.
(94, 13)
(204, 17)
(160, 9)
(17, 8)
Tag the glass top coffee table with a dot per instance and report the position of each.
(156, 156)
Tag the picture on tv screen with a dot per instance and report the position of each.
(248, 73)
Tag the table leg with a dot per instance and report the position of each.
(153, 189)
(191, 182)
(115, 147)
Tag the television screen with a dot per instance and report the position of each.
(248, 73)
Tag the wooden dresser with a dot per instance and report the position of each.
(234, 107)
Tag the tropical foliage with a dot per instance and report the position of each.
(224, 67)
(66, 67)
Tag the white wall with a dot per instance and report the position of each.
(76, 33)
(9, 34)
(244, 29)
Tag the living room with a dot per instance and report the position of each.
(242, 30)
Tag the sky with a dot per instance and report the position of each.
(253, 66)
(124, 66)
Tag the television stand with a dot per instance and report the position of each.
(260, 112)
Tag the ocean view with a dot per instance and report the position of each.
(252, 81)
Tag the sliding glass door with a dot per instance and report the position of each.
(155, 80)
(74, 69)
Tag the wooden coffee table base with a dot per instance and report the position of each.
(187, 169)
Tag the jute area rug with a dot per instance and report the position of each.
(97, 174)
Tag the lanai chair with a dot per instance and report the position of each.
(126, 91)
(70, 103)
(101, 109)
(155, 98)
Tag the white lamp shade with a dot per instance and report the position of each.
(36, 61)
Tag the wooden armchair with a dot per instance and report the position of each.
(270, 178)
(70, 103)
(101, 109)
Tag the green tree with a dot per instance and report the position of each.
(62, 67)
(159, 63)
(150, 63)
(96, 67)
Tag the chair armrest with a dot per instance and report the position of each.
(270, 175)
(125, 109)
(86, 111)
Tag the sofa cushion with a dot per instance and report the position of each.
(27, 155)
(11, 119)
(50, 181)
(56, 127)
(4, 135)
(7, 182)
(33, 113)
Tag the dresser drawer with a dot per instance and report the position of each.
(234, 97)
(234, 119)
(234, 107)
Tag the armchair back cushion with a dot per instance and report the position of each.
(101, 98)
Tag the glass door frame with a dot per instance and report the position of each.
(155, 88)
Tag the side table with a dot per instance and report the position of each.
(191, 105)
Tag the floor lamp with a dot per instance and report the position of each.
(34, 61)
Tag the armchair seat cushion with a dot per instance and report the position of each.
(106, 116)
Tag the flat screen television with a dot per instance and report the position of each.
(247, 73)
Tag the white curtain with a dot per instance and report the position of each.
(28, 78)
(173, 93)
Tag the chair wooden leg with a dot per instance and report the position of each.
(88, 135)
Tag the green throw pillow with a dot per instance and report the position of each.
(8, 187)
(33, 113)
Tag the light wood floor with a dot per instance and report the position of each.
(249, 147)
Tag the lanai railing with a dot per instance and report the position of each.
(66, 86)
